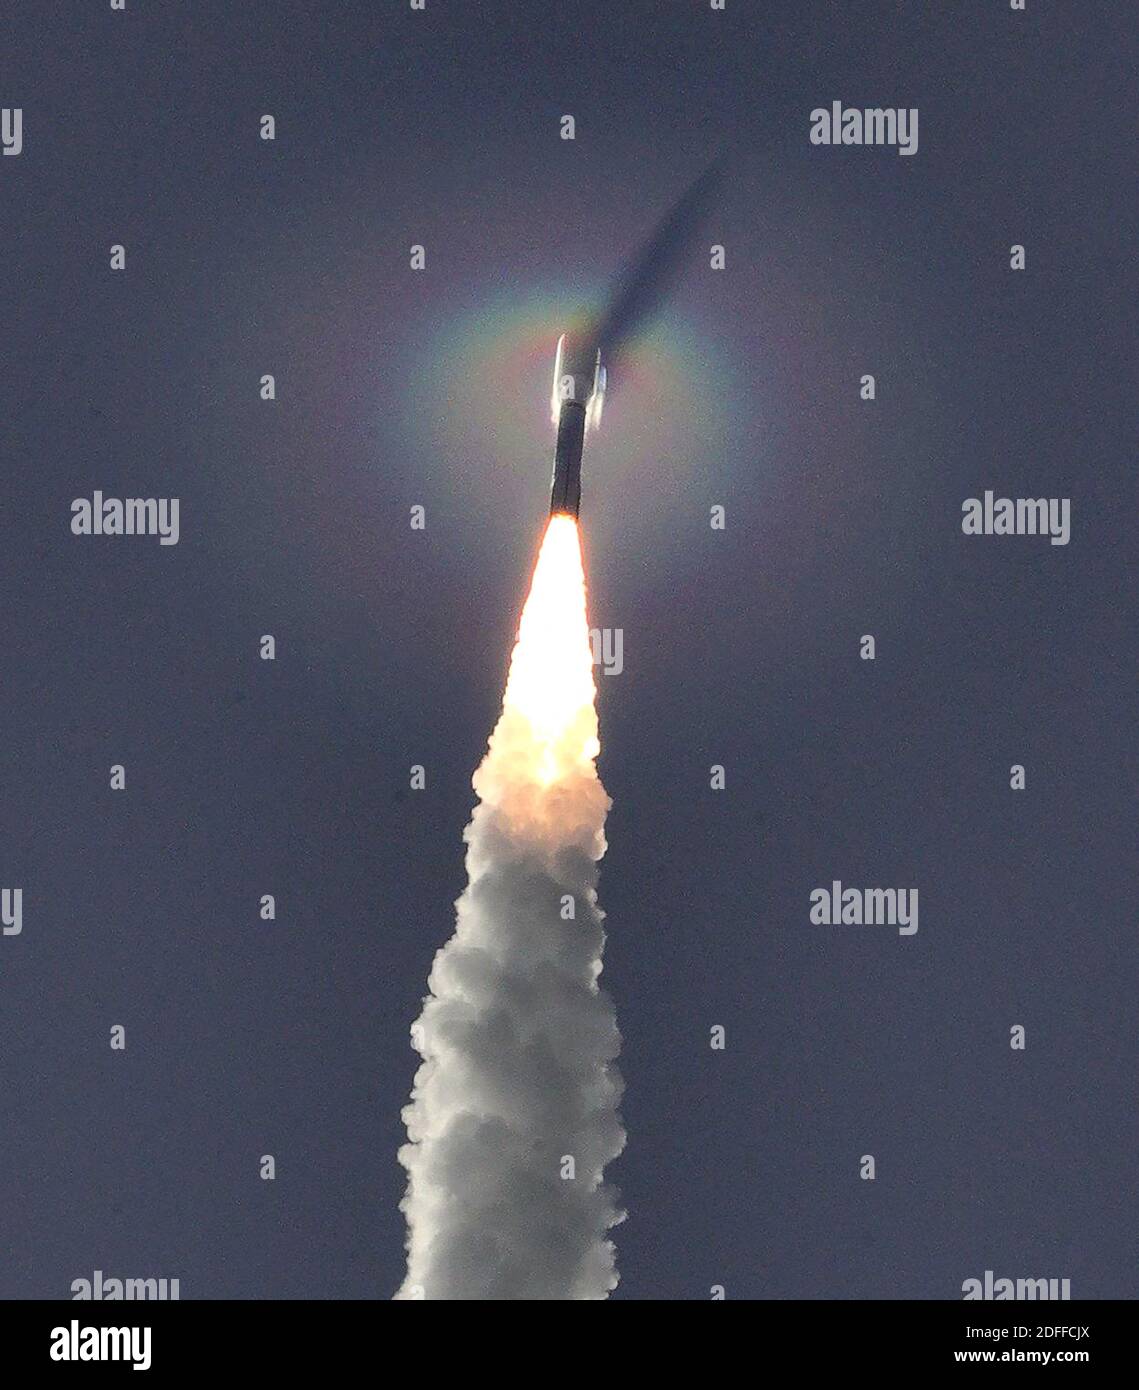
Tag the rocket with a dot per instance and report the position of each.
(575, 406)
(579, 377)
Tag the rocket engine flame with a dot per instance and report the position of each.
(550, 687)
(513, 1114)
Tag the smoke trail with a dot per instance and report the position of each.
(517, 1089)
(641, 286)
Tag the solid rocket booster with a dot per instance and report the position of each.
(579, 391)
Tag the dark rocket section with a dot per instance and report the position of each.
(565, 487)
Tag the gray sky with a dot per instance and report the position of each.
(741, 647)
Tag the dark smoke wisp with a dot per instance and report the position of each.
(640, 287)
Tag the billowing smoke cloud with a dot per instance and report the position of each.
(513, 1114)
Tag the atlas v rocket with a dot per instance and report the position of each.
(579, 376)
(579, 391)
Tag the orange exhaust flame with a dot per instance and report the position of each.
(548, 729)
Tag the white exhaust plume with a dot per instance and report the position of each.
(513, 1113)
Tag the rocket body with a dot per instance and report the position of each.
(565, 488)
(579, 377)
(579, 390)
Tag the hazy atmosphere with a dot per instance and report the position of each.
(863, 341)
